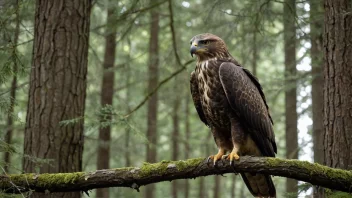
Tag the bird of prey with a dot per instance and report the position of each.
(231, 102)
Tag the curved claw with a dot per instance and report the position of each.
(232, 156)
(216, 157)
(209, 158)
(224, 156)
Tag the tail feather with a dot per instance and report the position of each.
(259, 185)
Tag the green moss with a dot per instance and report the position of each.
(182, 165)
(124, 169)
(44, 180)
(161, 167)
(273, 161)
(277, 161)
(59, 179)
(17, 179)
(148, 169)
(313, 168)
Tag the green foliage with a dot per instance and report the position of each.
(304, 187)
(6, 71)
(4, 104)
(5, 147)
(7, 195)
(71, 121)
(337, 194)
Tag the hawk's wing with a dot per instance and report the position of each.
(196, 98)
(247, 99)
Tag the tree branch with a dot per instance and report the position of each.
(157, 87)
(134, 177)
(173, 33)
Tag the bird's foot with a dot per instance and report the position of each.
(224, 156)
(216, 157)
(232, 156)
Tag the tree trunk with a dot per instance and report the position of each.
(217, 187)
(316, 30)
(153, 72)
(128, 96)
(107, 93)
(175, 135)
(202, 190)
(10, 125)
(290, 87)
(316, 39)
(338, 82)
(242, 189)
(57, 89)
(127, 143)
(202, 193)
(233, 187)
(187, 138)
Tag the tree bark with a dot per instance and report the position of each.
(175, 135)
(128, 108)
(217, 186)
(338, 82)
(316, 30)
(153, 72)
(187, 138)
(10, 124)
(316, 39)
(107, 93)
(201, 193)
(135, 177)
(57, 89)
(290, 87)
(202, 190)
(242, 190)
(233, 187)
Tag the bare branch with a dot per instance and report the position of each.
(17, 87)
(173, 33)
(131, 11)
(157, 87)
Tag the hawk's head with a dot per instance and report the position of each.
(206, 46)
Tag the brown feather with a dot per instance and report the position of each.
(230, 100)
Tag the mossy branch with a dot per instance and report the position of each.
(135, 177)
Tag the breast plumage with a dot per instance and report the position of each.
(213, 98)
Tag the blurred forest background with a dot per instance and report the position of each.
(138, 105)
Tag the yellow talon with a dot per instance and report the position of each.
(233, 156)
(216, 157)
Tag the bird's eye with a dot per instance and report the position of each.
(204, 42)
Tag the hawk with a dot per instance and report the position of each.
(231, 102)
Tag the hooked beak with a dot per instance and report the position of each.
(193, 50)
